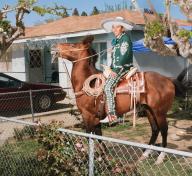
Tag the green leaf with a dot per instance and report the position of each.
(185, 34)
(5, 25)
(154, 29)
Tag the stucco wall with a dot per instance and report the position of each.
(17, 64)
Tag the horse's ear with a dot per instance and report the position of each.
(88, 40)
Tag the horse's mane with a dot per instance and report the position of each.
(92, 52)
(94, 58)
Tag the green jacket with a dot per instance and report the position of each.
(122, 55)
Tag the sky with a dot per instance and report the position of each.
(84, 5)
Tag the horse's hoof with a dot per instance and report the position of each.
(145, 155)
(160, 158)
(142, 158)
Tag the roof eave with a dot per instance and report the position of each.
(59, 36)
(70, 35)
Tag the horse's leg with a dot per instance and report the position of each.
(92, 124)
(89, 127)
(163, 126)
(154, 128)
(93, 127)
(155, 131)
(98, 129)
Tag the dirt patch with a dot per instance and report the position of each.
(179, 133)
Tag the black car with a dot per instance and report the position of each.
(16, 94)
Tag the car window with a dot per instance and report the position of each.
(4, 82)
(14, 83)
(8, 83)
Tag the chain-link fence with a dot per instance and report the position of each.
(41, 104)
(108, 156)
(30, 101)
(18, 148)
(87, 154)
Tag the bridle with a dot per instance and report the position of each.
(88, 57)
(101, 53)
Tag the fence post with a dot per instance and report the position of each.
(91, 157)
(31, 103)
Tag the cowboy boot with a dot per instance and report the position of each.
(109, 118)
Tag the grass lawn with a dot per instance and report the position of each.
(125, 131)
(19, 159)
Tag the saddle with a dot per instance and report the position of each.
(132, 83)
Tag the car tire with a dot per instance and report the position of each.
(43, 102)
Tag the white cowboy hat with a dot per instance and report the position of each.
(107, 24)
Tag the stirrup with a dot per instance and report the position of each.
(109, 118)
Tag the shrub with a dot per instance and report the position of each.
(178, 105)
(59, 153)
(26, 132)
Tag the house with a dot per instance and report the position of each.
(30, 58)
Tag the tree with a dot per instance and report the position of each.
(117, 7)
(95, 11)
(164, 26)
(9, 33)
(75, 12)
(83, 13)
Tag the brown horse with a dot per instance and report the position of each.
(160, 92)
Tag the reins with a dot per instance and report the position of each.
(101, 53)
(73, 50)
(88, 57)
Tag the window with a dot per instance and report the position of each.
(35, 58)
(4, 82)
(102, 58)
(14, 83)
(8, 83)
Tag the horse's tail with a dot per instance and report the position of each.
(180, 89)
(183, 82)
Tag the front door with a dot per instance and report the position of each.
(36, 66)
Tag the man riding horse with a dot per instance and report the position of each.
(122, 61)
